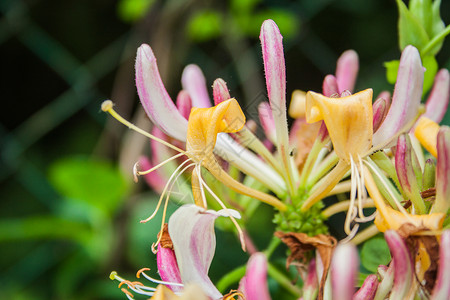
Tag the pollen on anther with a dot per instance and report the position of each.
(138, 274)
(107, 105)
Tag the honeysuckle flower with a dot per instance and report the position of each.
(344, 267)
(349, 122)
(191, 231)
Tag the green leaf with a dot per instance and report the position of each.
(133, 10)
(95, 182)
(431, 66)
(423, 11)
(375, 252)
(391, 70)
(410, 30)
(204, 26)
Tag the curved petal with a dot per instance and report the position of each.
(403, 265)
(191, 229)
(267, 122)
(194, 82)
(405, 101)
(438, 100)
(330, 86)
(154, 98)
(347, 70)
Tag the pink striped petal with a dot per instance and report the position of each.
(407, 167)
(437, 102)
(267, 121)
(168, 267)
(347, 70)
(154, 98)
(184, 104)
(406, 99)
(275, 70)
(380, 108)
(220, 91)
(442, 202)
(442, 287)
(386, 96)
(254, 283)
(191, 229)
(403, 265)
(344, 267)
(368, 288)
(330, 86)
(194, 82)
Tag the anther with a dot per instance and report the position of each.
(127, 292)
(113, 275)
(136, 172)
(138, 274)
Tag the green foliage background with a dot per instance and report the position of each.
(69, 211)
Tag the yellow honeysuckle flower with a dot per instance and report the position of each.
(204, 125)
(426, 132)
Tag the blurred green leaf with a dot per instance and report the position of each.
(287, 22)
(431, 66)
(375, 252)
(391, 70)
(204, 26)
(243, 6)
(95, 182)
(42, 227)
(410, 30)
(133, 10)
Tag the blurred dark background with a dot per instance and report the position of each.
(69, 210)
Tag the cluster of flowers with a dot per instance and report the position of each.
(344, 144)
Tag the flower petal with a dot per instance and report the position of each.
(403, 265)
(437, 102)
(168, 267)
(368, 288)
(405, 101)
(330, 86)
(311, 287)
(154, 98)
(344, 267)
(156, 180)
(184, 104)
(194, 82)
(442, 202)
(380, 108)
(220, 91)
(347, 70)
(426, 132)
(254, 283)
(408, 172)
(442, 287)
(267, 122)
(191, 229)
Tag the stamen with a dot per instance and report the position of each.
(137, 173)
(172, 182)
(165, 190)
(107, 106)
(141, 272)
(241, 234)
(232, 294)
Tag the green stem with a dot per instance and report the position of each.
(437, 39)
(310, 161)
(326, 165)
(274, 243)
(230, 278)
(283, 280)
